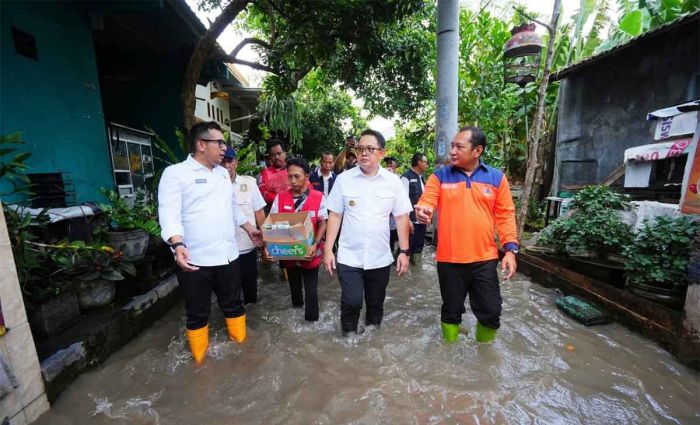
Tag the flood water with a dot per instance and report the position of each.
(544, 368)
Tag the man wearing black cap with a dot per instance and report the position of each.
(251, 202)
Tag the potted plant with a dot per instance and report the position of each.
(657, 262)
(52, 305)
(129, 228)
(591, 238)
(94, 268)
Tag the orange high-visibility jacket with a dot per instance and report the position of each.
(469, 210)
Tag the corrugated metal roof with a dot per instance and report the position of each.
(662, 29)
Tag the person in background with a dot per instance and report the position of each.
(362, 198)
(273, 179)
(346, 158)
(413, 182)
(323, 178)
(198, 213)
(304, 273)
(390, 163)
(251, 202)
(473, 201)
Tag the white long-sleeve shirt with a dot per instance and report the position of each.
(200, 205)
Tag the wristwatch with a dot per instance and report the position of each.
(513, 250)
(407, 252)
(176, 244)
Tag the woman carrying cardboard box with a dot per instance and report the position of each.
(302, 198)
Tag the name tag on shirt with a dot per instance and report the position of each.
(288, 207)
(413, 180)
(199, 181)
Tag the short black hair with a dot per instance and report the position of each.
(415, 159)
(300, 162)
(477, 136)
(327, 153)
(377, 135)
(389, 159)
(274, 142)
(200, 130)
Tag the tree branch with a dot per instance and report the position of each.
(253, 65)
(246, 41)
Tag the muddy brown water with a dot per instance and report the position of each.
(544, 368)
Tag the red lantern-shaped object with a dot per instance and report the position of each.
(521, 55)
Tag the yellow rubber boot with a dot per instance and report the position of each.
(199, 342)
(236, 328)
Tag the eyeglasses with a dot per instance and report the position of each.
(221, 142)
(369, 149)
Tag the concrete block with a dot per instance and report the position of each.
(142, 302)
(166, 287)
(54, 365)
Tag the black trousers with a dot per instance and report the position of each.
(355, 281)
(416, 241)
(480, 281)
(308, 279)
(197, 287)
(249, 276)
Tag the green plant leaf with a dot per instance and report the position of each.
(636, 22)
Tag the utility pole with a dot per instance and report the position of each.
(447, 66)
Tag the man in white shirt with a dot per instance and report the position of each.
(251, 202)
(363, 197)
(198, 214)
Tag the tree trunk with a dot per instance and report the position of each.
(533, 148)
(202, 51)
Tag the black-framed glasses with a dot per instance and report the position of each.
(369, 149)
(221, 142)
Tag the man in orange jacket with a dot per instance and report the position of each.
(473, 200)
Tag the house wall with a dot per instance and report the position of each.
(206, 108)
(604, 105)
(55, 100)
(152, 99)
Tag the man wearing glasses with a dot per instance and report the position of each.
(198, 214)
(273, 179)
(363, 197)
(473, 200)
(413, 183)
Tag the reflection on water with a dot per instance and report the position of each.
(543, 368)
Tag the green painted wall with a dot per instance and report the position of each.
(55, 101)
(152, 100)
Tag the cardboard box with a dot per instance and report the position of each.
(292, 243)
